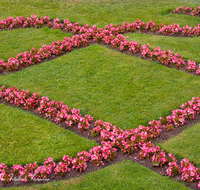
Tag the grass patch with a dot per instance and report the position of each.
(101, 12)
(186, 144)
(124, 175)
(17, 41)
(187, 47)
(108, 85)
(27, 138)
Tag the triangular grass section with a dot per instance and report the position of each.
(118, 88)
(120, 176)
(187, 47)
(186, 144)
(17, 41)
(26, 138)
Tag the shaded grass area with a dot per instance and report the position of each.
(108, 85)
(17, 41)
(124, 175)
(187, 47)
(186, 144)
(26, 138)
(101, 12)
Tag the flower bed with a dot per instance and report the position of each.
(112, 139)
(187, 10)
(76, 28)
(108, 36)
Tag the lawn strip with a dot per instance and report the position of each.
(187, 47)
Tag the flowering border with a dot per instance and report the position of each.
(86, 35)
(187, 10)
(66, 25)
(112, 139)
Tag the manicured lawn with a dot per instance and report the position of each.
(124, 175)
(186, 144)
(26, 138)
(14, 42)
(108, 85)
(102, 12)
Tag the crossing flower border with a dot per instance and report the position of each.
(112, 138)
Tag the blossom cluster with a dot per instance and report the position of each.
(161, 29)
(32, 172)
(50, 109)
(191, 65)
(46, 51)
(141, 138)
(139, 26)
(181, 9)
(20, 21)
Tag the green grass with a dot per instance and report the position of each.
(187, 47)
(186, 144)
(102, 12)
(14, 42)
(124, 175)
(27, 138)
(108, 85)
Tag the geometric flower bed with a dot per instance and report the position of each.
(112, 138)
(110, 35)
